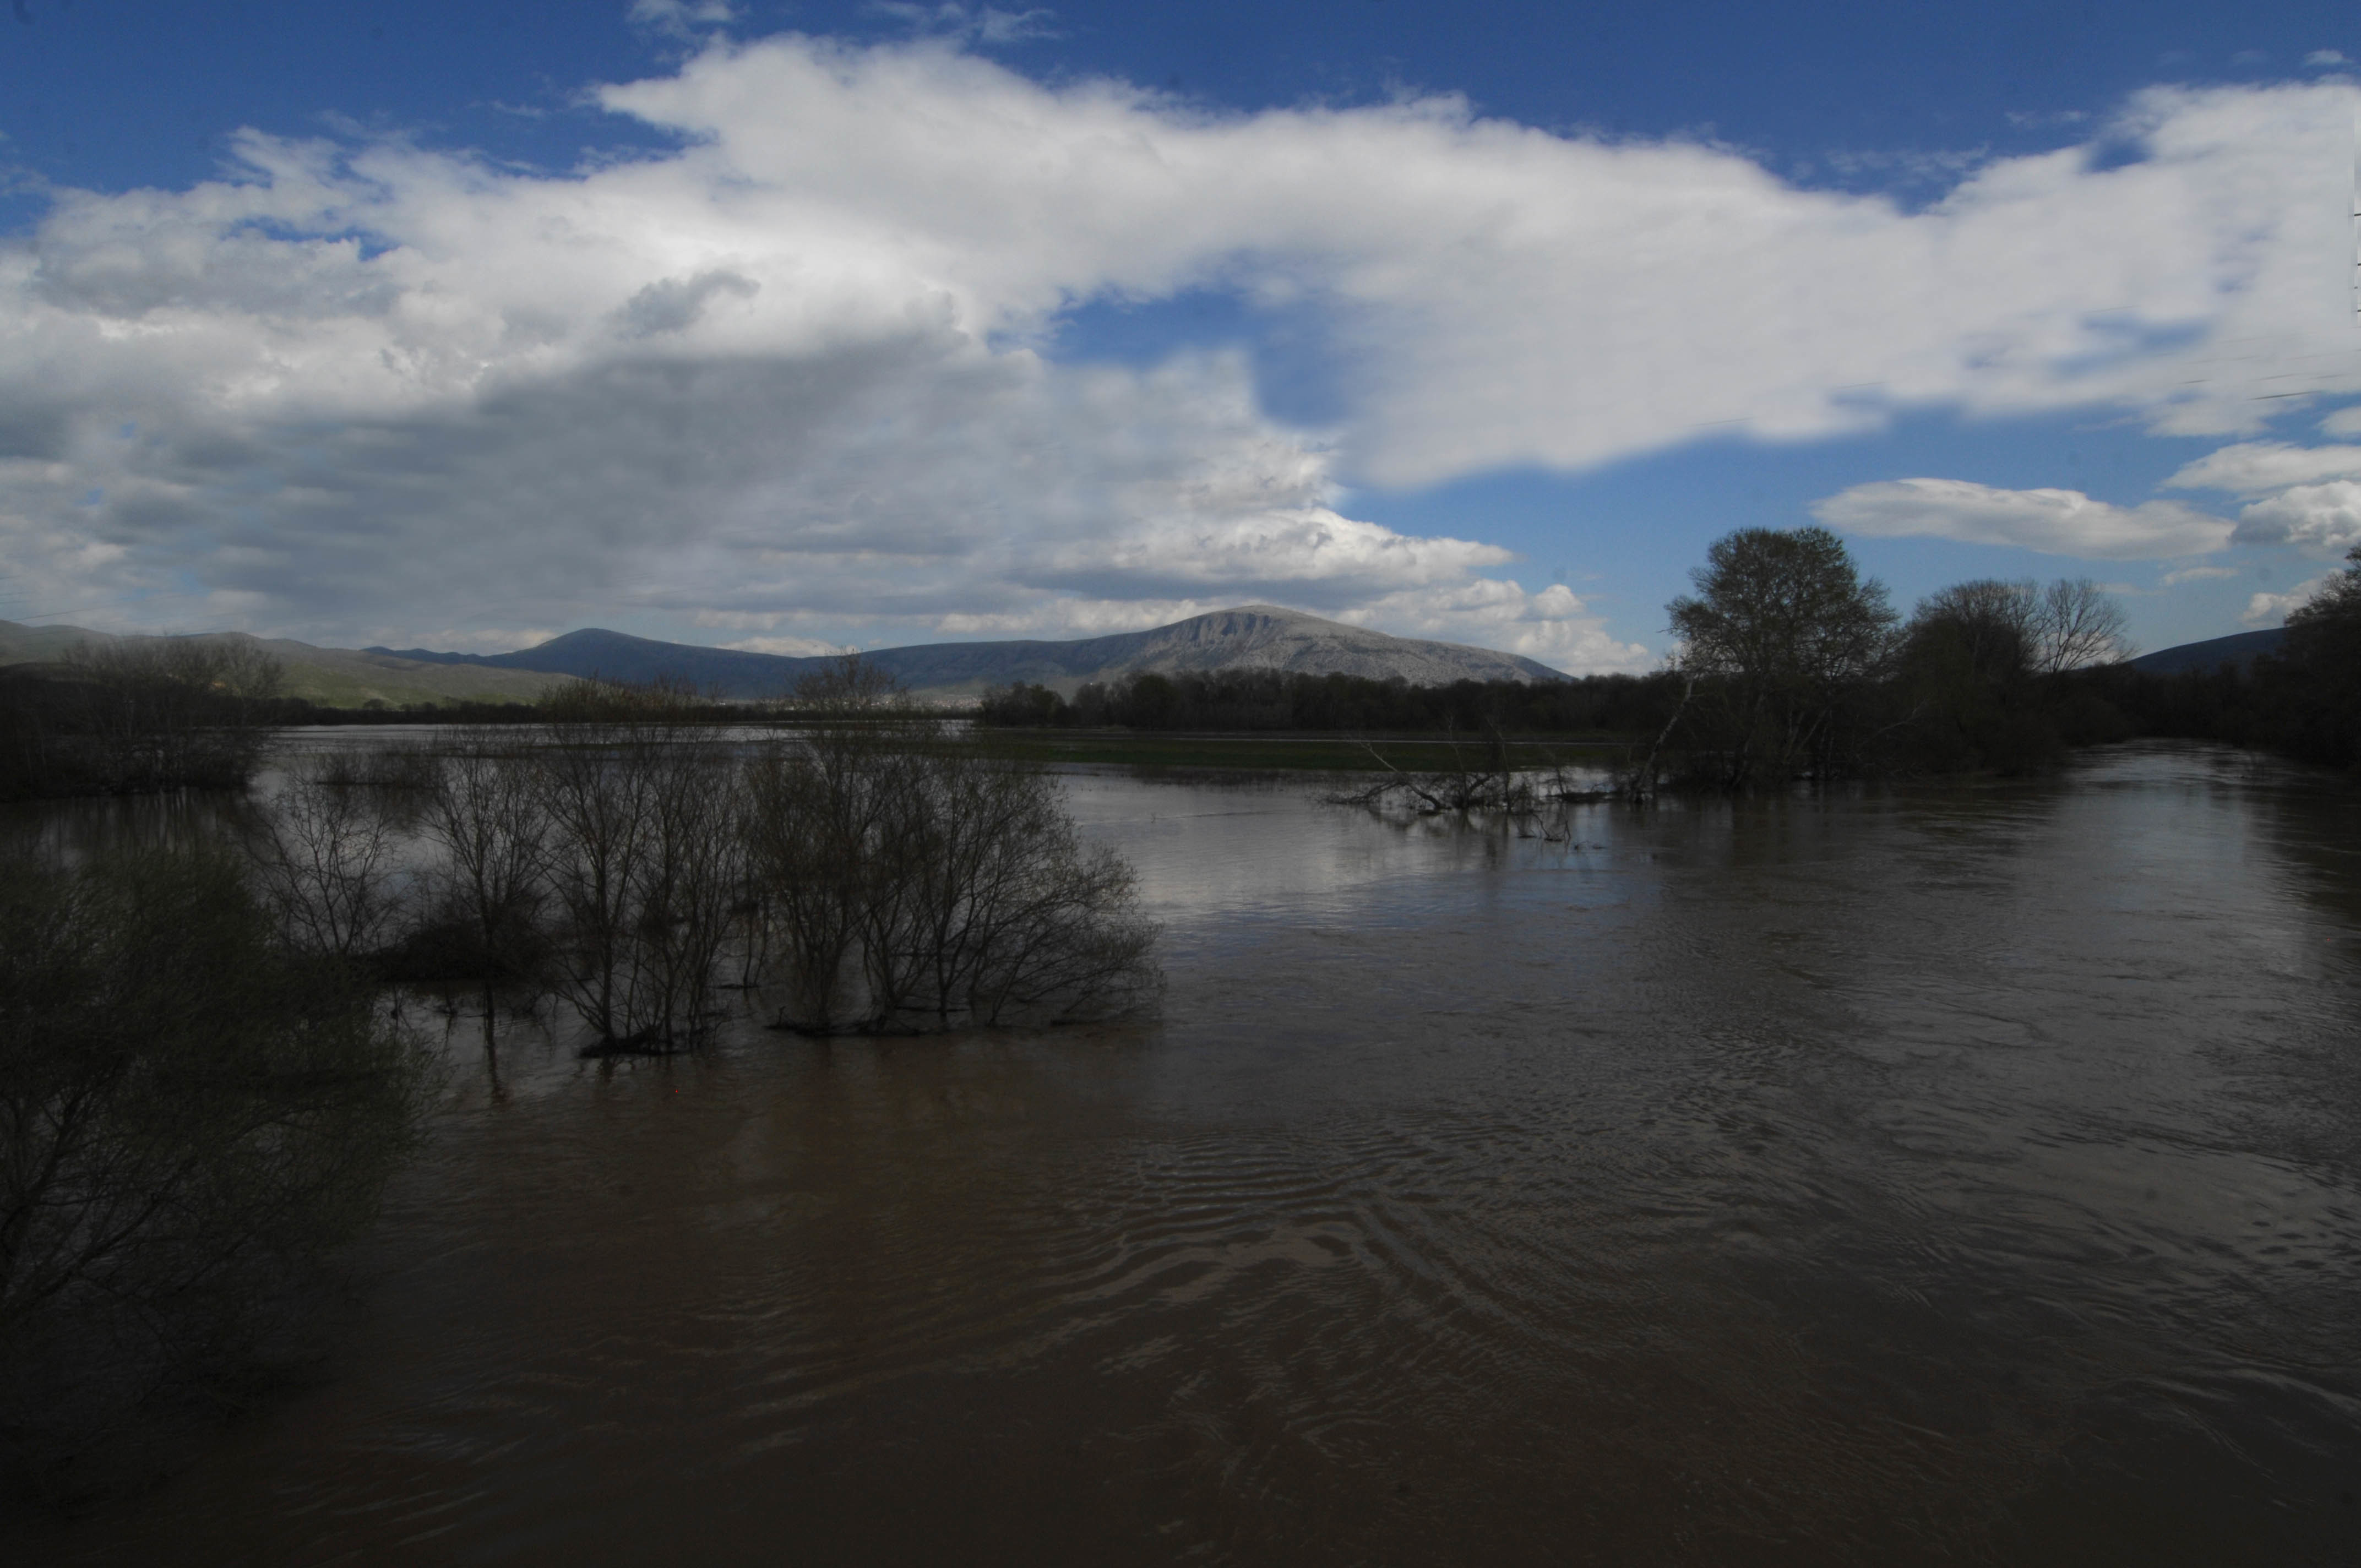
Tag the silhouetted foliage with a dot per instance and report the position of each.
(2304, 700)
(1779, 648)
(2316, 676)
(1983, 679)
(137, 717)
(483, 811)
(189, 1114)
(1279, 700)
(911, 880)
(643, 847)
(324, 853)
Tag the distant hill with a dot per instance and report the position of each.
(2239, 648)
(333, 677)
(1253, 636)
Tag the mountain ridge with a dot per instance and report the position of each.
(2240, 648)
(1255, 636)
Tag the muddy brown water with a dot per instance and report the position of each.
(1951, 1174)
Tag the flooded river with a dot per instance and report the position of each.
(1954, 1174)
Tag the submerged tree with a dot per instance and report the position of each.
(1778, 644)
(140, 715)
(482, 809)
(324, 853)
(643, 857)
(915, 882)
(990, 906)
(820, 811)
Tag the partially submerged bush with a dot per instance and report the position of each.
(136, 716)
(909, 880)
(643, 857)
(191, 1114)
(326, 853)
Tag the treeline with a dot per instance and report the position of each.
(1794, 666)
(1790, 665)
(2303, 700)
(1250, 699)
(137, 718)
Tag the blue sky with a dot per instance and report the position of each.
(792, 325)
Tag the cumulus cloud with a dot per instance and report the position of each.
(2271, 609)
(1551, 626)
(2306, 498)
(483, 639)
(794, 367)
(673, 304)
(2319, 520)
(2195, 575)
(2253, 467)
(790, 647)
(2056, 522)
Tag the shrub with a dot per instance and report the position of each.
(191, 1114)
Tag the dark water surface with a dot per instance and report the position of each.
(1959, 1174)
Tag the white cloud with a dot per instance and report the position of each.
(791, 368)
(2195, 575)
(477, 640)
(2267, 609)
(2255, 467)
(2324, 57)
(681, 18)
(2343, 421)
(791, 647)
(1551, 626)
(2056, 522)
(982, 25)
(2319, 520)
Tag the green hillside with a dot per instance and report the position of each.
(332, 677)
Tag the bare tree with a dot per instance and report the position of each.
(2003, 630)
(643, 854)
(484, 811)
(2076, 625)
(598, 807)
(689, 886)
(324, 853)
(851, 685)
(165, 712)
(819, 813)
(952, 885)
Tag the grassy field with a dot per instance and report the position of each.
(1311, 753)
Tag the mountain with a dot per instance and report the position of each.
(1253, 636)
(333, 677)
(2240, 648)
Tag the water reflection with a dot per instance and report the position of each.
(1962, 1173)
